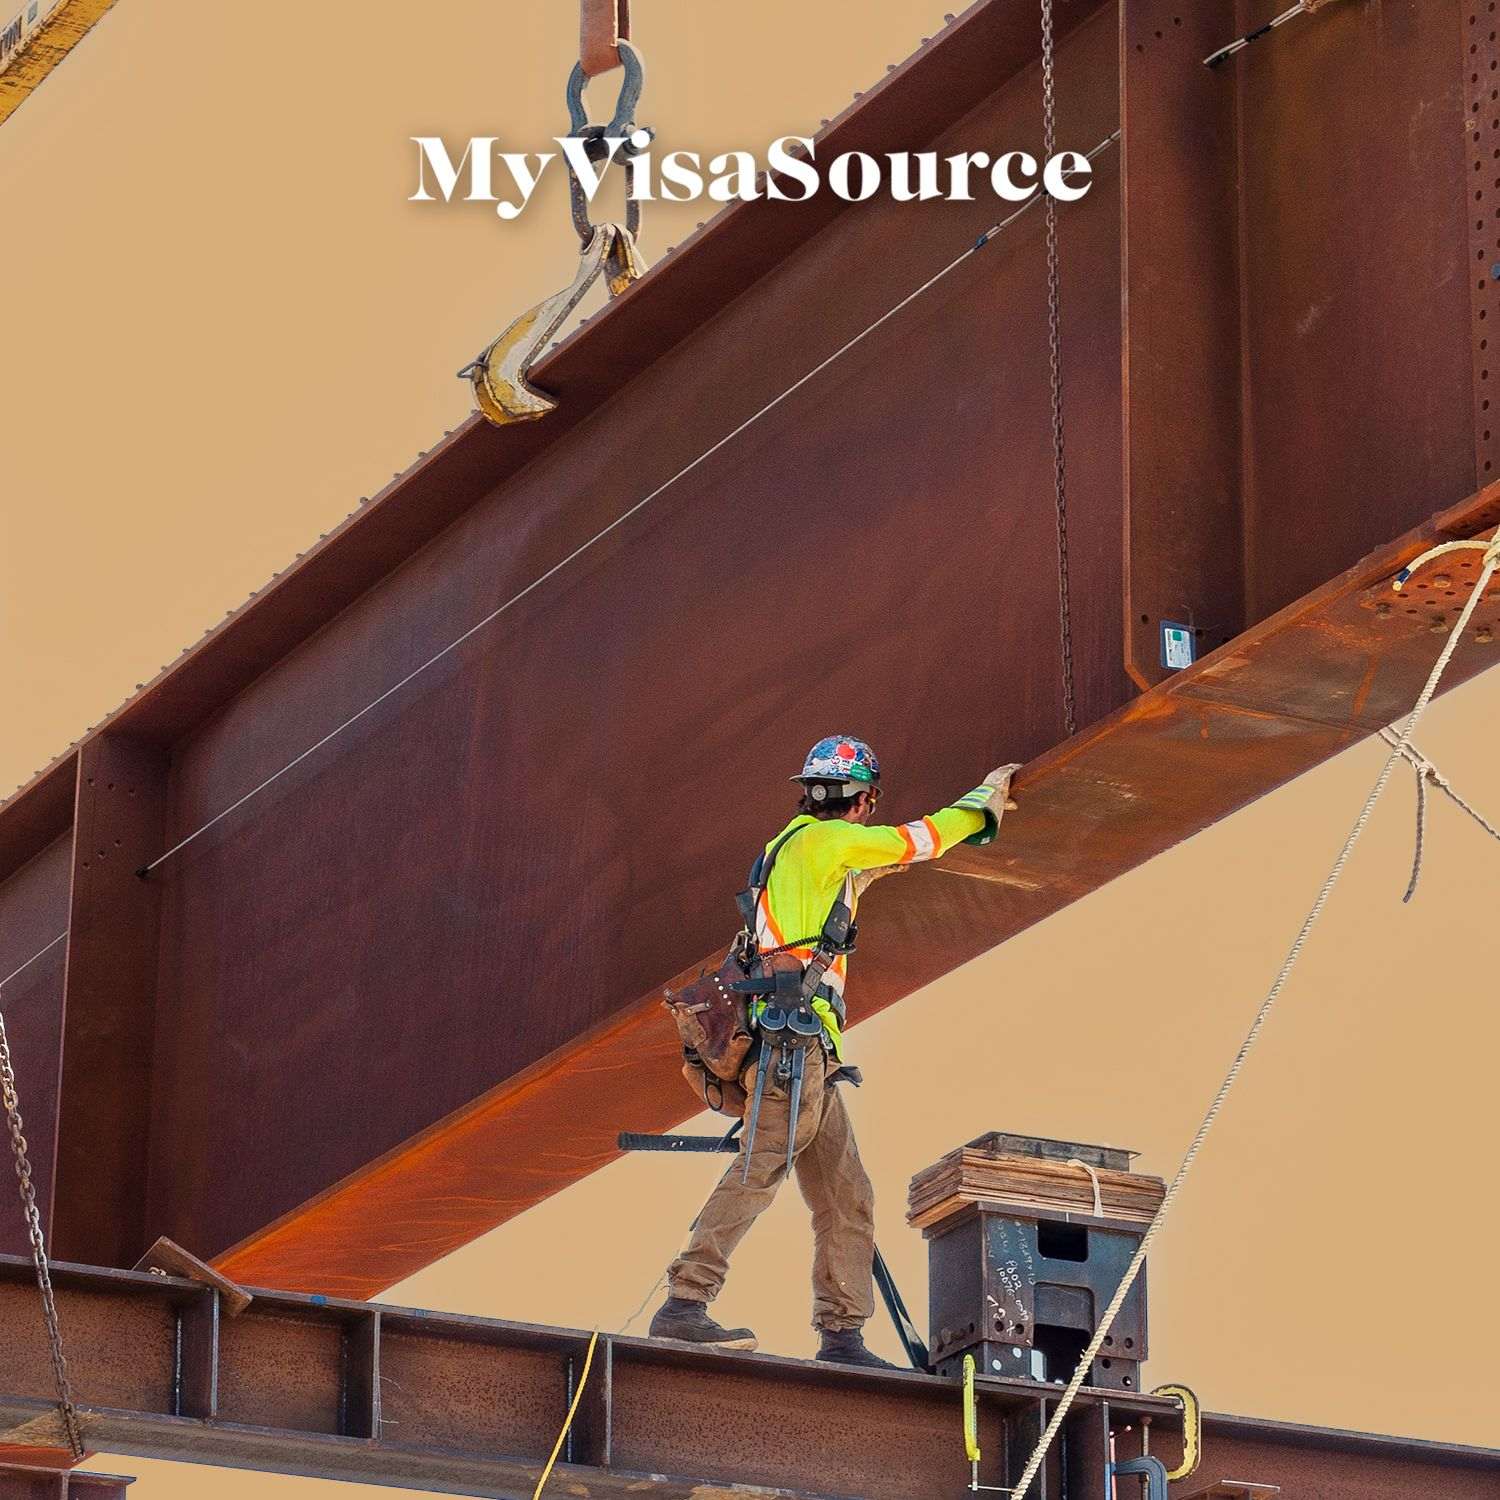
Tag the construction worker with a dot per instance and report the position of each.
(809, 878)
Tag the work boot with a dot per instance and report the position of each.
(688, 1322)
(846, 1346)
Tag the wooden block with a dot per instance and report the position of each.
(168, 1257)
(1040, 1184)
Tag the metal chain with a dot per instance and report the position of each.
(38, 1245)
(1054, 337)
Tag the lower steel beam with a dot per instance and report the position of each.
(379, 1395)
(391, 1396)
(22, 1482)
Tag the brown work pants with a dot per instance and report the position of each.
(833, 1183)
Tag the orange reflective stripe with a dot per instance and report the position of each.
(911, 845)
(937, 838)
(770, 921)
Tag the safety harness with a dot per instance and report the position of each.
(781, 1005)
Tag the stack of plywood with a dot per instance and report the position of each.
(975, 1174)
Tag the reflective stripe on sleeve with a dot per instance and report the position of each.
(922, 837)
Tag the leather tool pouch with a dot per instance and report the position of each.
(713, 1021)
(720, 1094)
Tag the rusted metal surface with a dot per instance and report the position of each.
(464, 886)
(104, 1100)
(350, 1390)
(1333, 1465)
(168, 1258)
(602, 24)
(34, 911)
(354, 1391)
(1480, 42)
(1358, 328)
(1295, 235)
(20, 1482)
(1184, 558)
(408, 990)
(1285, 696)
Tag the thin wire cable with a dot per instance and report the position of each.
(588, 1361)
(1224, 53)
(1096, 1343)
(1054, 349)
(40, 953)
(614, 525)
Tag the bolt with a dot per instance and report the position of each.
(1382, 610)
(1438, 626)
(1484, 635)
(1442, 581)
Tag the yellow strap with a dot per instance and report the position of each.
(583, 1380)
(971, 1412)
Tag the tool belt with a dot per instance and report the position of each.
(770, 995)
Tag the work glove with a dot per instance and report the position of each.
(998, 781)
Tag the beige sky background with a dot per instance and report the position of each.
(225, 324)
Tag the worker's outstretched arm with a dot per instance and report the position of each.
(971, 819)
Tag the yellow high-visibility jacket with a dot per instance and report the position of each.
(819, 861)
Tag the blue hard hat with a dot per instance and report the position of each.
(840, 757)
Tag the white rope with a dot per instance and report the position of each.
(1414, 757)
(618, 521)
(1421, 839)
(1491, 550)
(1074, 1161)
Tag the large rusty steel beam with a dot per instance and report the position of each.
(352, 1390)
(478, 873)
(406, 989)
(1317, 677)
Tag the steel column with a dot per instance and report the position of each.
(110, 1006)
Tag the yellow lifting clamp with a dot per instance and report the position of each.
(501, 374)
(1192, 1429)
